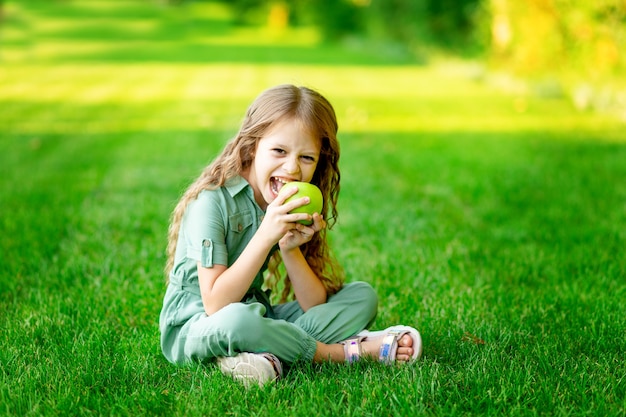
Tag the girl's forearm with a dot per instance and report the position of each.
(232, 284)
(307, 287)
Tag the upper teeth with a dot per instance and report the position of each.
(277, 179)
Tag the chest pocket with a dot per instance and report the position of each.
(240, 222)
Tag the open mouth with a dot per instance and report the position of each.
(277, 183)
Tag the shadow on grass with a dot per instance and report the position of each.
(70, 33)
(203, 53)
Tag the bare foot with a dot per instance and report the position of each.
(404, 353)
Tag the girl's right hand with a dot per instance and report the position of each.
(278, 221)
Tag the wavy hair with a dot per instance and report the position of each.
(272, 106)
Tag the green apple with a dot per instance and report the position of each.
(305, 189)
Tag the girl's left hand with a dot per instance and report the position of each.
(300, 234)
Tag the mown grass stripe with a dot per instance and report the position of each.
(493, 222)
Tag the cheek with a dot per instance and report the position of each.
(308, 173)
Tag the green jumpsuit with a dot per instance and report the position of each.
(215, 229)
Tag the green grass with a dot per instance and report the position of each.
(493, 223)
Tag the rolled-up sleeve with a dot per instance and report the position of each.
(204, 227)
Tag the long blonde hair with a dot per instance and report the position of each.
(271, 106)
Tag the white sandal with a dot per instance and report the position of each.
(388, 349)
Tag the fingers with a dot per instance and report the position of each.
(317, 225)
(280, 202)
(282, 197)
(294, 233)
(306, 232)
(318, 222)
(280, 207)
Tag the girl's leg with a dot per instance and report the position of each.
(336, 352)
(346, 313)
(239, 328)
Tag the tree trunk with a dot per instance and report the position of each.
(501, 32)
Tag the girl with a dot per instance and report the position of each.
(231, 228)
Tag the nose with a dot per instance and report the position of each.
(292, 166)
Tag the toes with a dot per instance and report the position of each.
(405, 348)
(404, 353)
(406, 341)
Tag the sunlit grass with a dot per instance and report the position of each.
(214, 93)
(493, 222)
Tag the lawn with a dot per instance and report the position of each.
(495, 222)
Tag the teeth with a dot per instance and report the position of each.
(276, 180)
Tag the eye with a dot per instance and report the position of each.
(308, 158)
(279, 151)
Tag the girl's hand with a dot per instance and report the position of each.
(278, 224)
(301, 234)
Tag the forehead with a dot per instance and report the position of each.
(293, 132)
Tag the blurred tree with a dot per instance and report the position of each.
(437, 22)
(242, 8)
(441, 23)
(336, 18)
(539, 36)
(451, 21)
(278, 18)
(399, 20)
(527, 35)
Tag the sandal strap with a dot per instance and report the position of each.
(352, 349)
(387, 353)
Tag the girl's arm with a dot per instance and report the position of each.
(307, 287)
(222, 285)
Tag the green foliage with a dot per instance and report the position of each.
(446, 24)
(534, 38)
(449, 24)
(563, 36)
(563, 47)
(336, 18)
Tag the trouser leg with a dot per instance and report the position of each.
(241, 327)
(346, 313)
